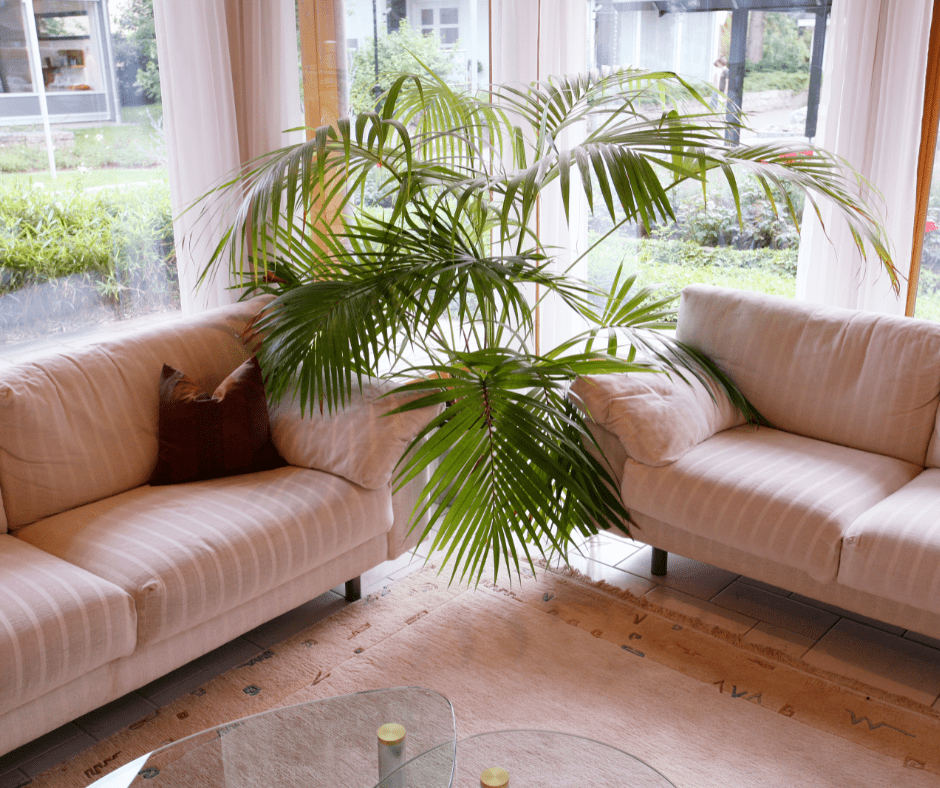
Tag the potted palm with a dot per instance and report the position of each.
(404, 244)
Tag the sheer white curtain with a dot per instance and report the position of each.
(230, 82)
(870, 114)
(530, 40)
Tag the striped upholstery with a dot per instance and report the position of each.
(148, 662)
(657, 417)
(81, 426)
(186, 553)
(770, 493)
(680, 542)
(858, 379)
(57, 622)
(360, 443)
(893, 549)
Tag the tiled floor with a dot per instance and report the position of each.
(851, 645)
(880, 654)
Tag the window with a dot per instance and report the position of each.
(452, 40)
(94, 244)
(763, 59)
(14, 56)
(73, 53)
(441, 23)
(924, 294)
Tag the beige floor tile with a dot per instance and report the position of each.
(410, 569)
(764, 634)
(596, 571)
(891, 663)
(698, 608)
(842, 613)
(766, 586)
(609, 549)
(781, 611)
(690, 577)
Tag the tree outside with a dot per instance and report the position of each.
(135, 54)
(401, 50)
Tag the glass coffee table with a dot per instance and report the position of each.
(526, 759)
(391, 738)
(330, 743)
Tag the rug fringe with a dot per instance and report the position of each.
(738, 641)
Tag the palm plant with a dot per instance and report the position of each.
(435, 280)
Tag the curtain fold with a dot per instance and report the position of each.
(870, 114)
(533, 40)
(230, 82)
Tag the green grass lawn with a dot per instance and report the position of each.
(130, 144)
(68, 179)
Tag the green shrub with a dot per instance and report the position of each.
(715, 222)
(679, 263)
(776, 80)
(786, 47)
(118, 242)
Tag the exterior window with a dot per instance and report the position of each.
(14, 55)
(927, 304)
(91, 244)
(76, 60)
(70, 60)
(774, 50)
(451, 40)
(441, 22)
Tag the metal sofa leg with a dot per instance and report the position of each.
(354, 589)
(659, 561)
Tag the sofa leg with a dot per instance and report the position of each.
(659, 561)
(354, 589)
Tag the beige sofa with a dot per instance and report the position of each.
(839, 500)
(107, 583)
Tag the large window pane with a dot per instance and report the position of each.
(14, 58)
(92, 247)
(449, 37)
(928, 283)
(707, 244)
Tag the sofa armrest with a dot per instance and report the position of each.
(656, 417)
(362, 442)
(403, 503)
(612, 448)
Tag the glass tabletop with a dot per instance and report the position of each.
(526, 759)
(332, 743)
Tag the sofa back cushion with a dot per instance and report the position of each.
(81, 426)
(860, 379)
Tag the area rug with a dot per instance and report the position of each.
(559, 652)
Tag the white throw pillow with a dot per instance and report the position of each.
(359, 443)
(657, 418)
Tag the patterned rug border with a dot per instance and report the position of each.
(738, 641)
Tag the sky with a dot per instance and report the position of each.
(116, 9)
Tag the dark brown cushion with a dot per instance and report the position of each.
(205, 436)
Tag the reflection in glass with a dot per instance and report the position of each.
(928, 282)
(14, 57)
(67, 46)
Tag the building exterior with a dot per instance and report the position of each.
(75, 61)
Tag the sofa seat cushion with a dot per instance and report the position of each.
(57, 622)
(893, 549)
(189, 552)
(770, 493)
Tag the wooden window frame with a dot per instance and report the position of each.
(925, 161)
